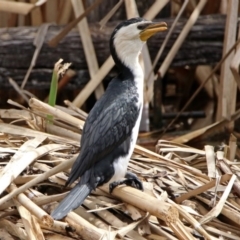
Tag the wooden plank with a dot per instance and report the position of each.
(51, 10)
(12, 21)
(36, 15)
(15, 7)
(228, 86)
(223, 6)
(131, 9)
(88, 47)
(65, 13)
(21, 18)
(7, 18)
(175, 7)
(156, 7)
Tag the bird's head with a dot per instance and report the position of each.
(129, 36)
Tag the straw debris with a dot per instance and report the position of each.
(181, 201)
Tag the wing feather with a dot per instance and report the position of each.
(108, 125)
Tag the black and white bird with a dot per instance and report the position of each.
(111, 129)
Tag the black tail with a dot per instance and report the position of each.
(73, 200)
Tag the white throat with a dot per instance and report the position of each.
(128, 51)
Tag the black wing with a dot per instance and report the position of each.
(109, 124)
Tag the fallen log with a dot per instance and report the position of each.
(16, 48)
(202, 46)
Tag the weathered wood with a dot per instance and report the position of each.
(228, 86)
(90, 54)
(202, 46)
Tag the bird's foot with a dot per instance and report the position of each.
(113, 185)
(132, 180)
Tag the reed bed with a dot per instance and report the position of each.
(188, 193)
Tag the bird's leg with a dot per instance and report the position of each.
(131, 180)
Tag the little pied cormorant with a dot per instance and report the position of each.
(111, 129)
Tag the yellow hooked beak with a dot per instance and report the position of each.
(151, 29)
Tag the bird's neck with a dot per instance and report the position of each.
(127, 60)
(131, 66)
(126, 57)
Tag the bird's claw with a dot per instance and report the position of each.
(132, 182)
(135, 182)
(113, 185)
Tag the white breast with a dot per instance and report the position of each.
(120, 165)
